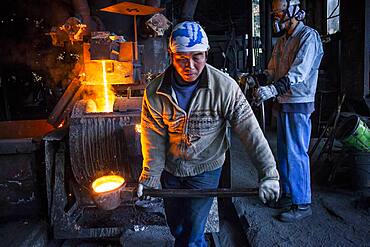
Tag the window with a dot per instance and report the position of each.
(256, 18)
(332, 15)
(256, 33)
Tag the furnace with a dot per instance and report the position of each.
(98, 146)
(93, 160)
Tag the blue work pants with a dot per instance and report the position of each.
(294, 131)
(187, 217)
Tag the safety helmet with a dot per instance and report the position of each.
(188, 36)
(284, 4)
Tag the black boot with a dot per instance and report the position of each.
(285, 202)
(296, 212)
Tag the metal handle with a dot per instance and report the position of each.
(200, 192)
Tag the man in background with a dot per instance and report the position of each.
(293, 70)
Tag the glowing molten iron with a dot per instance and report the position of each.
(107, 183)
(102, 92)
(108, 107)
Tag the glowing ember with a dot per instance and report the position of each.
(138, 128)
(61, 124)
(107, 183)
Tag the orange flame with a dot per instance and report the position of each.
(61, 124)
(138, 128)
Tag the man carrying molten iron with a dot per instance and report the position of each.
(183, 133)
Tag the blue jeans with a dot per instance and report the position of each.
(187, 217)
(294, 131)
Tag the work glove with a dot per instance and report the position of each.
(140, 192)
(269, 190)
(265, 93)
(146, 202)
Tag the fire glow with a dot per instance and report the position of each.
(138, 128)
(61, 124)
(107, 183)
(101, 93)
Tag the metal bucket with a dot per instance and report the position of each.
(107, 190)
(354, 133)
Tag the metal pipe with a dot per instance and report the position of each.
(263, 118)
(200, 192)
(188, 9)
(110, 200)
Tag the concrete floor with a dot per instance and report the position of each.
(339, 217)
(23, 233)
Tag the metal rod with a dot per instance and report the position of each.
(250, 36)
(200, 192)
(263, 118)
(55, 117)
(332, 136)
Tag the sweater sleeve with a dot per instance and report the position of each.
(153, 142)
(245, 125)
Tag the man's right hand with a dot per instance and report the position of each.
(269, 190)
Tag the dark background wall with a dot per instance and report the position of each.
(34, 73)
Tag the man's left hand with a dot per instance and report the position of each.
(265, 93)
(269, 190)
(140, 192)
